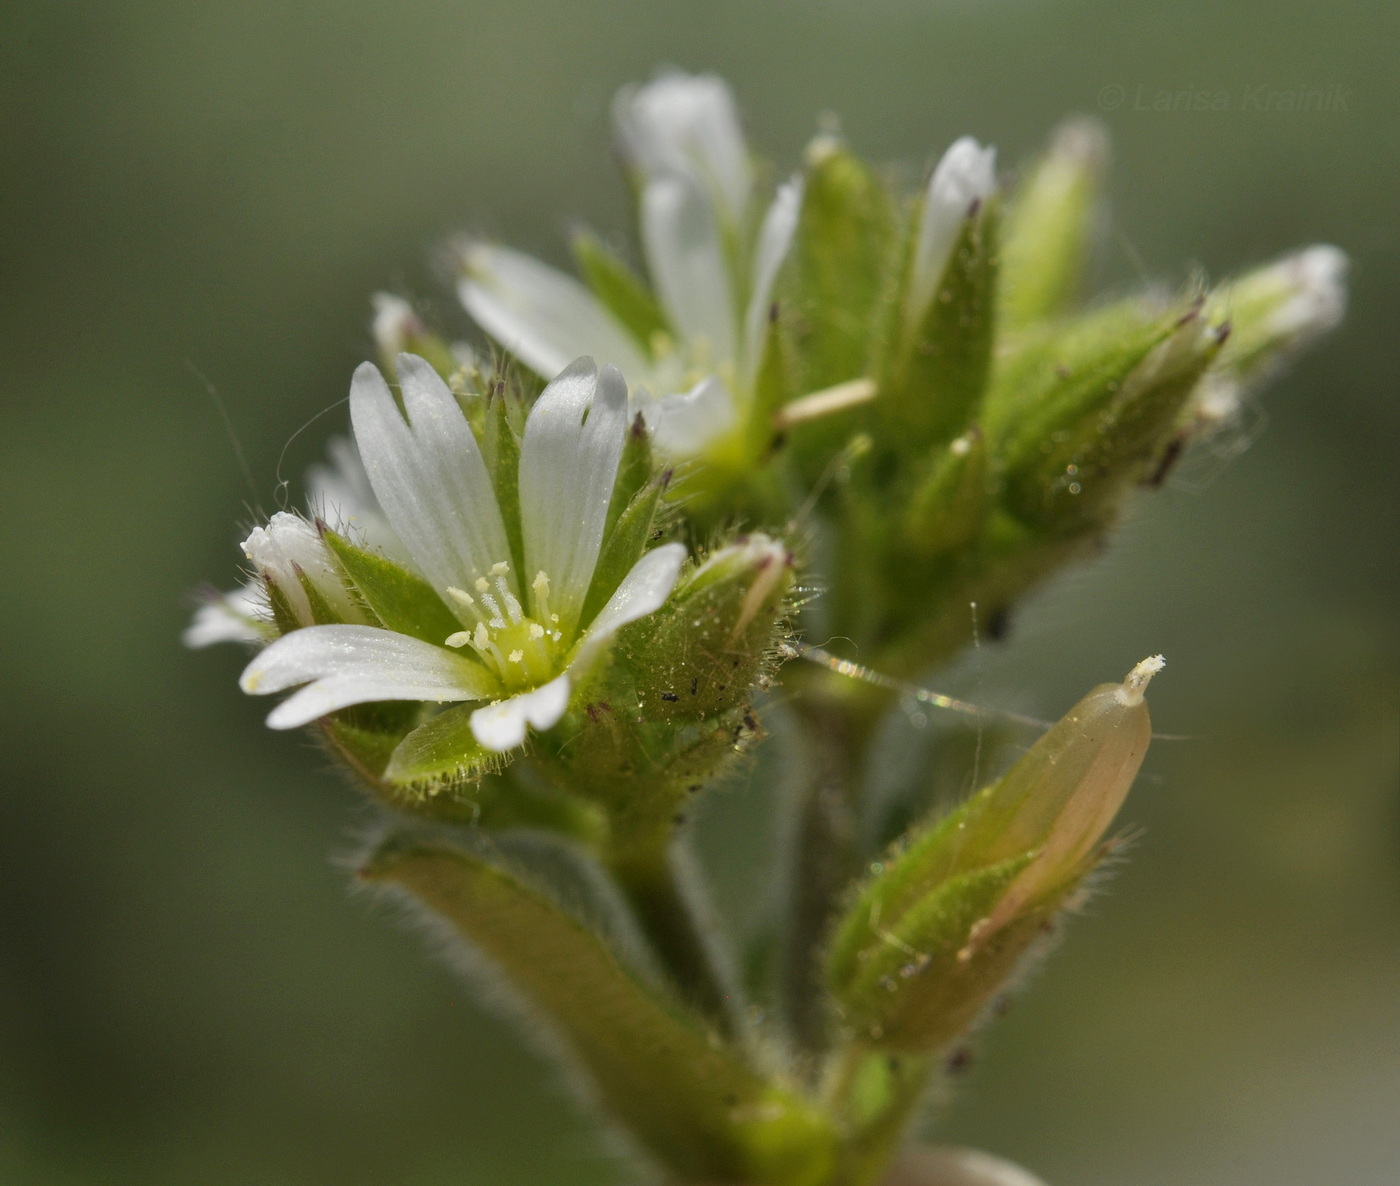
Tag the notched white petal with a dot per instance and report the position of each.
(502, 726)
(568, 463)
(643, 591)
(685, 255)
(543, 317)
(774, 240)
(345, 665)
(237, 616)
(687, 123)
(428, 473)
(685, 423)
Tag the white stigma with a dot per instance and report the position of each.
(1135, 684)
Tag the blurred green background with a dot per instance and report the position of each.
(188, 994)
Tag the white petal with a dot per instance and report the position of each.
(542, 316)
(1316, 278)
(686, 258)
(683, 424)
(643, 591)
(965, 176)
(428, 474)
(340, 493)
(568, 463)
(774, 240)
(235, 617)
(344, 665)
(683, 123)
(501, 726)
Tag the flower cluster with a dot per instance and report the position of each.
(549, 604)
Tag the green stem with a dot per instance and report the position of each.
(875, 1096)
(838, 719)
(654, 878)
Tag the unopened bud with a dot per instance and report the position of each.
(943, 924)
(399, 330)
(1049, 225)
(963, 179)
(303, 584)
(1274, 312)
(701, 654)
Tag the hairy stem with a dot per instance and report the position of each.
(656, 879)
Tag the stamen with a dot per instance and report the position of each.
(460, 639)
(500, 568)
(460, 596)
(536, 631)
(481, 639)
(482, 585)
(540, 587)
(512, 605)
(516, 657)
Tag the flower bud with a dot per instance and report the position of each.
(943, 924)
(702, 653)
(399, 330)
(303, 584)
(1274, 312)
(1049, 226)
(962, 181)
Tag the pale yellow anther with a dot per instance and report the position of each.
(461, 596)
(460, 639)
(516, 656)
(500, 568)
(541, 583)
(481, 639)
(536, 630)
(482, 585)
(1138, 678)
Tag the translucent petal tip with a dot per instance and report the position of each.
(1136, 681)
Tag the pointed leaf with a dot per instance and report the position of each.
(939, 375)
(841, 254)
(689, 1101)
(621, 290)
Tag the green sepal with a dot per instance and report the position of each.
(322, 612)
(1069, 459)
(440, 752)
(687, 1098)
(921, 982)
(501, 429)
(934, 381)
(951, 501)
(635, 469)
(623, 548)
(841, 254)
(283, 616)
(1049, 226)
(619, 289)
(403, 601)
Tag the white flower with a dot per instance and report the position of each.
(523, 639)
(965, 177)
(241, 615)
(713, 277)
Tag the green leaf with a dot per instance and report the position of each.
(1049, 226)
(401, 600)
(936, 379)
(684, 1096)
(624, 294)
(841, 255)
